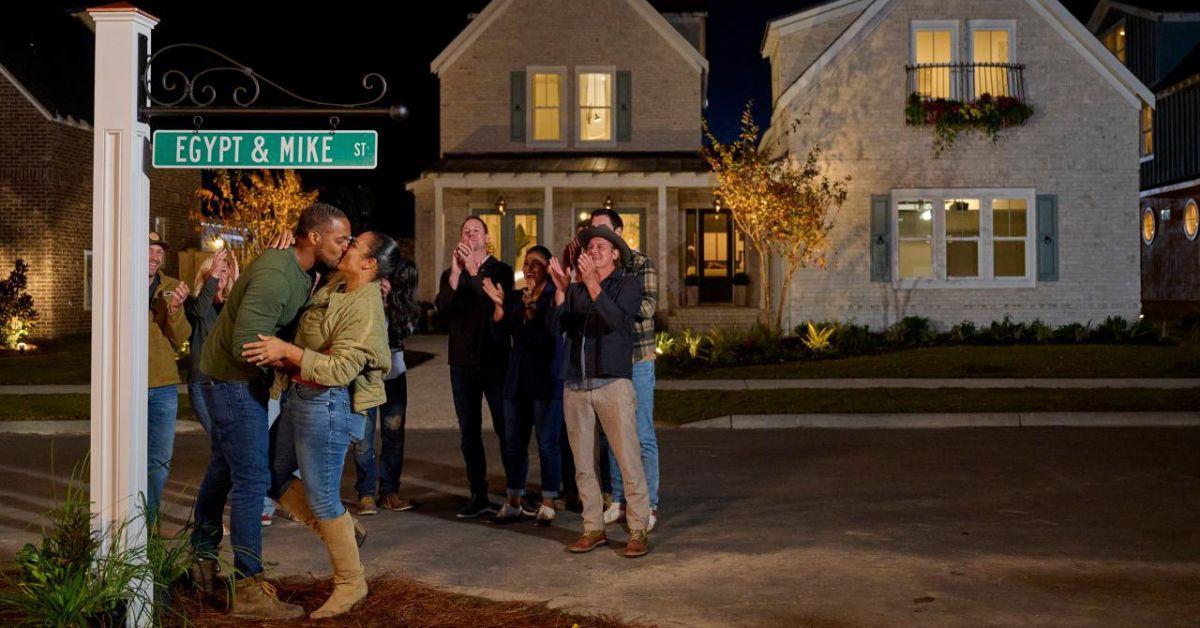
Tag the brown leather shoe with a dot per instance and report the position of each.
(637, 544)
(590, 540)
(392, 501)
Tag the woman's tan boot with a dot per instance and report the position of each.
(349, 584)
(296, 503)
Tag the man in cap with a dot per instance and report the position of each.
(597, 314)
(169, 329)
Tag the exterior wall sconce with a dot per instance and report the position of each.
(608, 202)
(717, 202)
(502, 206)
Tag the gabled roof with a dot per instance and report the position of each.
(1187, 69)
(1052, 11)
(48, 55)
(812, 16)
(496, 8)
(1150, 9)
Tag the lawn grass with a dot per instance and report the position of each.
(1023, 361)
(65, 361)
(61, 407)
(677, 407)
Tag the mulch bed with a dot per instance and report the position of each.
(399, 601)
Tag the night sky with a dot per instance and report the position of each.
(322, 52)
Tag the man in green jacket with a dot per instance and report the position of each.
(267, 297)
(169, 329)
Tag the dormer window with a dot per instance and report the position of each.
(596, 101)
(1114, 40)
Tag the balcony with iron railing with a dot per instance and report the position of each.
(958, 97)
(966, 81)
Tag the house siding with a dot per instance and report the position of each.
(1081, 145)
(475, 88)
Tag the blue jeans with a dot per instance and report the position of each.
(238, 470)
(315, 430)
(196, 400)
(643, 386)
(163, 405)
(469, 385)
(521, 416)
(391, 416)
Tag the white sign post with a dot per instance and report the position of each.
(120, 229)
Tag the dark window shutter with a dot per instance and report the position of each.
(881, 238)
(1047, 237)
(517, 105)
(624, 106)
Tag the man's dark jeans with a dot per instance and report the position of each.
(391, 416)
(238, 470)
(470, 385)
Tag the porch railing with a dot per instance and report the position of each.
(966, 81)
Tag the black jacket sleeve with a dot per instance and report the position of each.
(620, 311)
(200, 308)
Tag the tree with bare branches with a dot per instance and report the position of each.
(260, 204)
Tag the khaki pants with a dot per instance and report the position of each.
(616, 408)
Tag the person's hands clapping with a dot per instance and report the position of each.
(177, 297)
(494, 292)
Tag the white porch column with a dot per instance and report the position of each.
(439, 231)
(547, 219)
(661, 259)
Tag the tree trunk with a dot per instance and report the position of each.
(764, 297)
(783, 293)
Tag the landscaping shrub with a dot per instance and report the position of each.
(963, 333)
(1004, 332)
(1039, 332)
(1071, 333)
(911, 331)
(1114, 329)
(17, 314)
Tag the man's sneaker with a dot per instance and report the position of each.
(393, 502)
(529, 507)
(544, 515)
(637, 544)
(366, 505)
(508, 514)
(653, 520)
(266, 519)
(477, 507)
(590, 540)
(614, 514)
(607, 498)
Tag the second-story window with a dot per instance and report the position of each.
(596, 99)
(934, 49)
(1114, 40)
(1147, 143)
(991, 54)
(547, 86)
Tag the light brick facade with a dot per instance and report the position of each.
(1081, 144)
(46, 209)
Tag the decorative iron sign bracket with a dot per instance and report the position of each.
(180, 94)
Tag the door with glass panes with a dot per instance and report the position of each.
(511, 235)
(715, 252)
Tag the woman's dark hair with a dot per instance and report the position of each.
(400, 306)
(537, 248)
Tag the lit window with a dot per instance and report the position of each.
(547, 107)
(1191, 219)
(933, 46)
(980, 237)
(1147, 144)
(991, 56)
(510, 236)
(1149, 225)
(916, 239)
(1114, 40)
(595, 106)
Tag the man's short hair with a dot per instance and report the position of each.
(469, 219)
(316, 216)
(612, 215)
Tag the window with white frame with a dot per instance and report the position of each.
(596, 100)
(87, 280)
(992, 42)
(969, 238)
(547, 96)
(934, 46)
(1147, 124)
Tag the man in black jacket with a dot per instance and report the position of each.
(597, 313)
(478, 361)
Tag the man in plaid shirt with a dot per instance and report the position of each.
(642, 267)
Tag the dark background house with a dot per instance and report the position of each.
(1159, 41)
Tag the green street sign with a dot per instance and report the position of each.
(340, 150)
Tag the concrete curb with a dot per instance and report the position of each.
(844, 383)
(76, 428)
(949, 420)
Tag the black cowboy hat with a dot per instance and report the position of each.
(617, 241)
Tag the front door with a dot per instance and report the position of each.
(710, 253)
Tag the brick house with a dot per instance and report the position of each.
(46, 172)
(551, 109)
(1159, 41)
(1036, 225)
